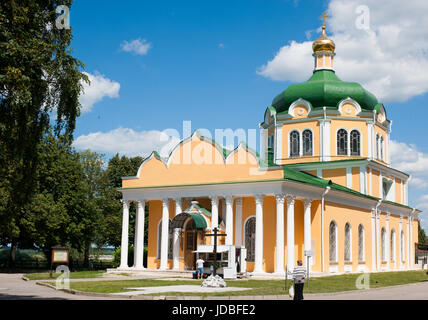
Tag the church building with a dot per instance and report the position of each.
(321, 190)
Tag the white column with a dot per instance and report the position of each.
(307, 229)
(176, 241)
(279, 267)
(387, 242)
(258, 263)
(238, 221)
(214, 212)
(290, 233)
(164, 239)
(373, 225)
(125, 231)
(139, 236)
(229, 220)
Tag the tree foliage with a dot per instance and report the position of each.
(38, 77)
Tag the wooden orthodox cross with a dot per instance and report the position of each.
(215, 235)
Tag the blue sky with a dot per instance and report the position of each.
(218, 64)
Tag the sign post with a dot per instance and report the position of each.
(215, 235)
(59, 255)
(308, 254)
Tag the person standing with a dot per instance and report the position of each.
(200, 268)
(298, 280)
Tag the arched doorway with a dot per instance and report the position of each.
(190, 245)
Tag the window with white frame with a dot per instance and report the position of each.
(355, 143)
(392, 245)
(333, 242)
(402, 245)
(348, 242)
(361, 243)
(250, 238)
(342, 142)
(307, 142)
(383, 244)
(294, 143)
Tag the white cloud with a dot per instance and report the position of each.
(99, 87)
(409, 159)
(390, 59)
(137, 46)
(127, 142)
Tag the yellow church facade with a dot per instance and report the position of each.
(322, 189)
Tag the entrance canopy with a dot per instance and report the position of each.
(180, 219)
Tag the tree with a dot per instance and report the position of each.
(38, 77)
(117, 168)
(422, 237)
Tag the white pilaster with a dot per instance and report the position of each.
(349, 177)
(307, 229)
(408, 241)
(125, 234)
(363, 179)
(402, 251)
(290, 232)
(139, 236)
(325, 139)
(387, 242)
(176, 241)
(378, 241)
(279, 266)
(164, 240)
(258, 263)
(278, 144)
(374, 254)
(411, 248)
(229, 220)
(238, 221)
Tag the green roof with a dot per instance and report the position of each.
(324, 89)
(304, 177)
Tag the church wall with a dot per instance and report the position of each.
(398, 186)
(382, 132)
(269, 233)
(342, 214)
(375, 183)
(199, 162)
(301, 126)
(394, 224)
(356, 179)
(336, 175)
(335, 125)
(316, 244)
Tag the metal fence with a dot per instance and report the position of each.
(44, 265)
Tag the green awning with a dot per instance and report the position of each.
(180, 219)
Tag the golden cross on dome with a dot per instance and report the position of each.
(323, 19)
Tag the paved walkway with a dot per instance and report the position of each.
(12, 287)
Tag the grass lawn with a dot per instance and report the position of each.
(73, 275)
(260, 287)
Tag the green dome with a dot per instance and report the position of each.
(324, 89)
